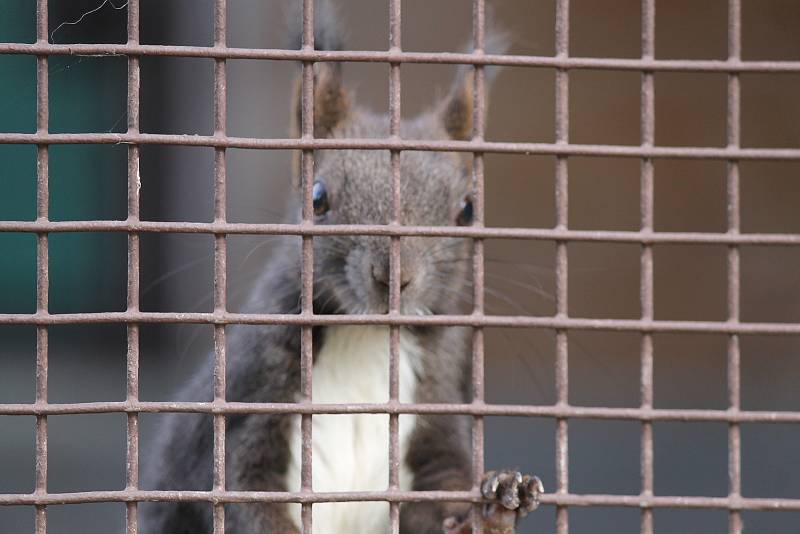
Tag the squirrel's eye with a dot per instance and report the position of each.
(466, 214)
(319, 196)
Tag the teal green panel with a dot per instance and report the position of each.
(88, 182)
(17, 183)
(17, 93)
(81, 191)
(17, 21)
(17, 163)
(87, 272)
(17, 273)
(87, 94)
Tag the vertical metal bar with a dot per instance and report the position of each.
(220, 257)
(734, 356)
(132, 455)
(647, 134)
(562, 214)
(478, 133)
(307, 267)
(395, 45)
(42, 259)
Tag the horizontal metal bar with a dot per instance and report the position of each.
(512, 410)
(511, 321)
(562, 149)
(565, 499)
(396, 56)
(233, 496)
(544, 234)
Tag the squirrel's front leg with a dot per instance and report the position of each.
(510, 495)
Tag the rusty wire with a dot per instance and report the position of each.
(42, 47)
(562, 212)
(42, 276)
(395, 91)
(132, 377)
(647, 126)
(307, 264)
(733, 129)
(562, 323)
(220, 259)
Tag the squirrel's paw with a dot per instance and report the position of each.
(509, 494)
(512, 490)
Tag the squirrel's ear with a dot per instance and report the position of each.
(331, 101)
(456, 111)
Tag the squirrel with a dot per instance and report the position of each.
(350, 363)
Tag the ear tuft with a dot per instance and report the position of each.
(331, 101)
(458, 108)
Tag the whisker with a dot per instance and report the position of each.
(181, 268)
(538, 289)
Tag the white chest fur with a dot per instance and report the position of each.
(351, 452)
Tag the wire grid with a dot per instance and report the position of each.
(562, 323)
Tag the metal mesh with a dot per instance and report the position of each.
(561, 234)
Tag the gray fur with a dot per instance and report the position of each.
(263, 361)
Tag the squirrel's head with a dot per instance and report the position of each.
(351, 273)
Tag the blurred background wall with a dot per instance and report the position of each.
(87, 363)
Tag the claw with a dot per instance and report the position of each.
(529, 493)
(510, 495)
(512, 490)
(489, 486)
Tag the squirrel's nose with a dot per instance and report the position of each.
(381, 276)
